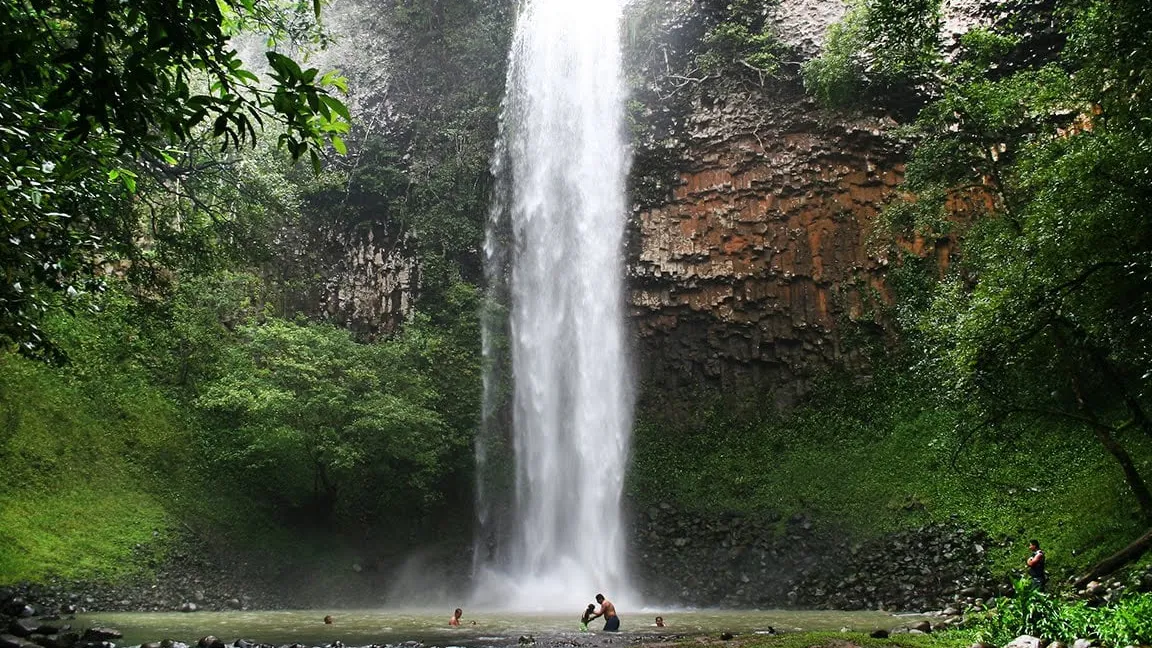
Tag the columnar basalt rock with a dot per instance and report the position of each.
(762, 250)
(372, 284)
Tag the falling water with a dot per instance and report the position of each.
(555, 344)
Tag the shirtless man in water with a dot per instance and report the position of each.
(608, 611)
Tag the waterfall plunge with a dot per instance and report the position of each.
(554, 537)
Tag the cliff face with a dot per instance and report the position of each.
(748, 271)
(747, 274)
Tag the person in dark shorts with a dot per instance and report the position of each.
(608, 611)
(1036, 565)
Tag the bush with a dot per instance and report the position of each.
(1031, 612)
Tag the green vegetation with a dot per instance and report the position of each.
(95, 97)
(883, 50)
(741, 42)
(1030, 612)
(312, 429)
(882, 456)
(165, 253)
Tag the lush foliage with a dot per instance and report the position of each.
(1031, 612)
(1031, 149)
(897, 458)
(741, 41)
(94, 96)
(885, 49)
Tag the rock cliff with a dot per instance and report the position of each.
(761, 252)
(748, 270)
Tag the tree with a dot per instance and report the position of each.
(92, 94)
(1033, 155)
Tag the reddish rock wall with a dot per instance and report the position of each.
(746, 275)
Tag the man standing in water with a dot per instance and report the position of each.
(1036, 565)
(608, 611)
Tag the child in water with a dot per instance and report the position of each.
(587, 616)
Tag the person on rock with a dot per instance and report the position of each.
(455, 620)
(608, 611)
(1036, 565)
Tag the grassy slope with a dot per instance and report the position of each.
(77, 466)
(99, 469)
(878, 460)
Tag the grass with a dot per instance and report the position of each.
(75, 497)
(877, 460)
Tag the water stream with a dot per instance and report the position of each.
(554, 262)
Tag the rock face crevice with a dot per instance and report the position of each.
(761, 252)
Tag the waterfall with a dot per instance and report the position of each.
(558, 383)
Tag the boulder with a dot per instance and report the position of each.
(233, 604)
(23, 627)
(921, 626)
(1084, 643)
(878, 633)
(210, 641)
(188, 607)
(12, 641)
(1025, 641)
(101, 634)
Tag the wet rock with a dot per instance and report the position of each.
(98, 633)
(12, 641)
(921, 626)
(23, 627)
(210, 641)
(1025, 641)
(233, 604)
(151, 644)
(525, 640)
(878, 633)
(188, 607)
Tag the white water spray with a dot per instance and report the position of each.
(554, 262)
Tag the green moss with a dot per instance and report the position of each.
(875, 459)
(75, 497)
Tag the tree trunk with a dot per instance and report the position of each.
(1117, 560)
(1104, 435)
(1131, 475)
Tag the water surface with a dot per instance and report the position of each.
(362, 627)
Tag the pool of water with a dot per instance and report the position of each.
(492, 628)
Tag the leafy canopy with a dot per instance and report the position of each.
(93, 94)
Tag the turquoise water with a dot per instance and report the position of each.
(362, 627)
